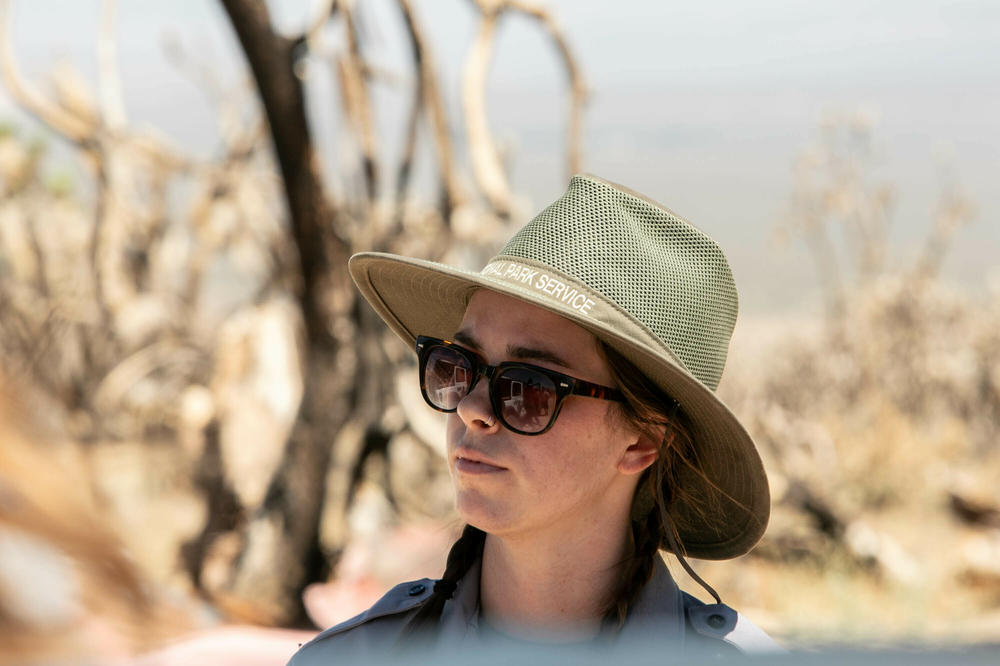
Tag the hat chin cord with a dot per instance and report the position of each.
(679, 554)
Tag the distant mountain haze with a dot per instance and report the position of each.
(702, 106)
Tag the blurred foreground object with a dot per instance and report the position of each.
(68, 591)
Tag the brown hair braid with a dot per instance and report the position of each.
(637, 571)
(461, 557)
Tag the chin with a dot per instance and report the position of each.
(482, 512)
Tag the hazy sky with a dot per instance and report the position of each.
(702, 106)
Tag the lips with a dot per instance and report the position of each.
(473, 462)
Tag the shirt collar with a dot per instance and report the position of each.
(658, 611)
(659, 608)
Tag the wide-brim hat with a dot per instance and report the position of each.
(650, 285)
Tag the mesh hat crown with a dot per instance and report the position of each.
(644, 281)
(657, 267)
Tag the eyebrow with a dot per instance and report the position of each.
(532, 354)
(520, 353)
(466, 339)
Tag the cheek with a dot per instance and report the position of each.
(583, 441)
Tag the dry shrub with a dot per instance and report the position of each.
(870, 422)
(910, 383)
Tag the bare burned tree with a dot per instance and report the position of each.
(143, 351)
(286, 525)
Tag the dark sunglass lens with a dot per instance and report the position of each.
(447, 375)
(526, 398)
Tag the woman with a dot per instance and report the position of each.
(577, 370)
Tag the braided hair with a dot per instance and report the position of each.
(461, 557)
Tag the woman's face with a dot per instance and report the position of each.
(583, 469)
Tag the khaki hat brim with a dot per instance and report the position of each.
(727, 509)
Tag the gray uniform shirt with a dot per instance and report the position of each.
(662, 612)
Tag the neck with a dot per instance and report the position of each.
(552, 586)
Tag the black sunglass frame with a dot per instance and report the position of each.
(565, 385)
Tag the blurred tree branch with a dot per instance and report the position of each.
(486, 164)
(272, 59)
(427, 97)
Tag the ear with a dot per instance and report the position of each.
(639, 455)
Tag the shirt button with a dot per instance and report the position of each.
(716, 621)
(417, 589)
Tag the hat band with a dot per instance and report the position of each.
(572, 298)
(543, 281)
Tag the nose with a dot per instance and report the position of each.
(475, 409)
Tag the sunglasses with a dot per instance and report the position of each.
(525, 398)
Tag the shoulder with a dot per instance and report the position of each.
(712, 623)
(370, 631)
